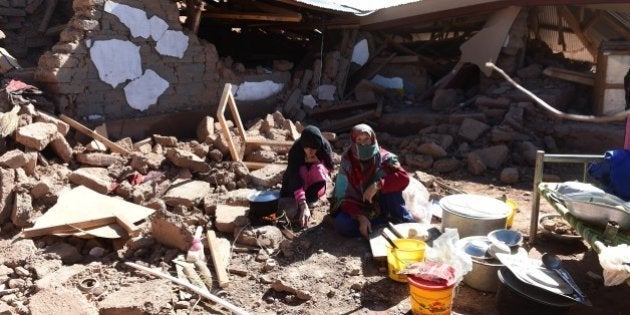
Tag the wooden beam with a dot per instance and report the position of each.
(573, 76)
(75, 227)
(90, 133)
(615, 25)
(297, 17)
(195, 16)
(217, 259)
(344, 107)
(566, 14)
(186, 284)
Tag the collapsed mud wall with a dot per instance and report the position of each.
(128, 59)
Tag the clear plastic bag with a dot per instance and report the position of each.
(616, 264)
(416, 198)
(444, 250)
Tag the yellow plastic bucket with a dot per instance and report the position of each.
(427, 297)
(408, 251)
(513, 207)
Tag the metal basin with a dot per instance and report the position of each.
(598, 209)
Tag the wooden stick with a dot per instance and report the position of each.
(585, 118)
(217, 260)
(90, 133)
(70, 227)
(195, 289)
(394, 230)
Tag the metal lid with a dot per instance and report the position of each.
(264, 196)
(476, 206)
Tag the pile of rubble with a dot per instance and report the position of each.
(183, 183)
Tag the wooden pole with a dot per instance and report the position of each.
(204, 293)
(90, 133)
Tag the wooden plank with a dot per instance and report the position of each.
(573, 76)
(82, 204)
(574, 24)
(196, 289)
(90, 133)
(222, 276)
(254, 16)
(344, 107)
(350, 121)
(67, 227)
(225, 130)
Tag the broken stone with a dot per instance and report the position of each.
(22, 214)
(187, 193)
(95, 178)
(98, 159)
(171, 230)
(494, 156)
(61, 147)
(268, 176)
(475, 164)
(185, 159)
(13, 159)
(165, 141)
(226, 215)
(509, 175)
(446, 165)
(150, 297)
(36, 135)
(471, 129)
(431, 149)
(280, 286)
(7, 183)
(67, 253)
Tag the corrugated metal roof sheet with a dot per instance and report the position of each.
(359, 7)
(548, 15)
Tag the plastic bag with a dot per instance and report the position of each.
(416, 198)
(444, 250)
(616, 264)
(613, 172)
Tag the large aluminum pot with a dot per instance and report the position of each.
(473, 214)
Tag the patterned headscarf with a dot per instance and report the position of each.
(359, 151)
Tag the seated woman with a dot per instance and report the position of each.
(368, 188)
(308, 170)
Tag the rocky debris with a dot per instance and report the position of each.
(151, 297)
(70, 300)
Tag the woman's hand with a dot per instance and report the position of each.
(369, 193)
(365, 227)
(305, 214)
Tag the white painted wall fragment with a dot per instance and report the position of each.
(158, 27)
(135, 19)
(326, 92)
(172, 43)
(309, 101)
(253, 91)
(116, 60)
(360, 52)
(389, 83)
(145, 90)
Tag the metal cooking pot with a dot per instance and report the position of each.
(473, 214)
(263, 204)
(483, 275)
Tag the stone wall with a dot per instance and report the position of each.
(129, 59)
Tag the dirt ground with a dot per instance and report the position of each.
(342, 278)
